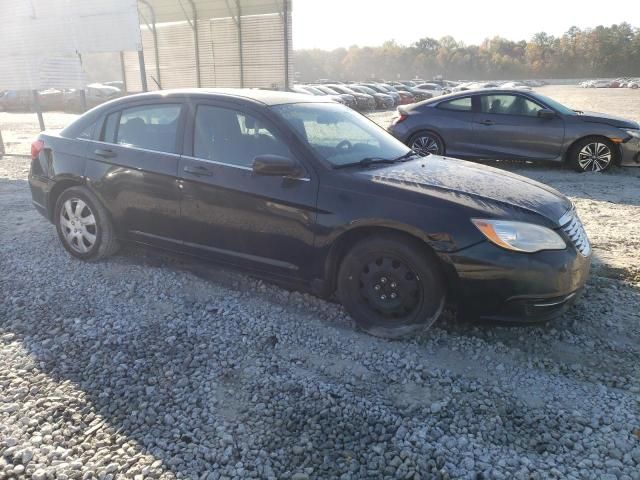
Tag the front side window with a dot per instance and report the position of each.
(508, 105)
(152, 127)
(338, 134)
(458, 104)
(233, 137)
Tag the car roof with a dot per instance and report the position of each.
(478, 91)
(265, 97)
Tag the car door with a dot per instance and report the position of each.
(507, 125)
(453, 120)
(231, 214)
(133, 165)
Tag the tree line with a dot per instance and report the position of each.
(595, 52)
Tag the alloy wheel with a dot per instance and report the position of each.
(390, 287)
(426, 145)
(78, 225)
(594, 157)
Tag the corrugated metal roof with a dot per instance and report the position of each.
(40, 39)
(263, 63)
(174, 10)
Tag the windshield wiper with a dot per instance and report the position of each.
(406, 156)
(579, 112)
(366, 162)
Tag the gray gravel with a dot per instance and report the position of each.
(148, 366)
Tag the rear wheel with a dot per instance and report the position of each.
(391, 286)
(83, 225)
(592, 154)
(426, 143)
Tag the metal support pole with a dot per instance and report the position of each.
(38, 109)
(285, 9)
(154, 32)
(2, 150)
(83, 96)
(143, 71)
(123, 71)
(239, 25)
(196, 41)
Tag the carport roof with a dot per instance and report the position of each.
(180, 10)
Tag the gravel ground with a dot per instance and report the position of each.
(150, 366)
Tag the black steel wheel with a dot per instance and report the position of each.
(391, 286)
(426, 143)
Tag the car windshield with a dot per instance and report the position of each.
(557, 106)
(339, 135)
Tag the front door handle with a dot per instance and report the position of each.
(104, 152)
(487, 122)
(198, 171)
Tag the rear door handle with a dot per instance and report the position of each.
(487, 122)
(104, 152)
(198, 171)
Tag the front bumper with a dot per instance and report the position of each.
(497, 284)
(630, 152)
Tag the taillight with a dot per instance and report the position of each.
(396, 119)
(36, 147)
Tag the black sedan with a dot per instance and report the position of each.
(520, 125)
(306, 191)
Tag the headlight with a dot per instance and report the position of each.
(520, 236)
(634, 133)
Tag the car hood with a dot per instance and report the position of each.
(490, 190)
(595, 117)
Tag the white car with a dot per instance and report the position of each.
(600, 84)
(516, 85)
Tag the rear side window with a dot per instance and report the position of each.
(458, 104)
(152, 127)
(110, 127)
(233, 137)
(509, 105)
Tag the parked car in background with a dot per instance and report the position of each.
(378, 87)
(600, 84)
(344, 98)
(517, 85)
(347, 100)
(633, 84)
(363, 102)
(406, 98)
(418, 94)
(301, 189)
(517, 125)
(433, 88)
(95, 94)
(383, 101)
(16, 100)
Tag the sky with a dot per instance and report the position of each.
(329, 24)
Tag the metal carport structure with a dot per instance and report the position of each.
(211, 43)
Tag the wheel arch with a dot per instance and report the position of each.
(60, 186)
(344, 242)
(595, 136)
(430, 130)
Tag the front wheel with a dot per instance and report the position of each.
(592, 155)
(391, 286)
(426, 143)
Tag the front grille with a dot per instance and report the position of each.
(572, 226)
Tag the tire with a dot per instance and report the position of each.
(83, 225)
(378, 268)
(426, 143)
(592, 154)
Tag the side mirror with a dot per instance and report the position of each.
(275, 165)
(546, 113)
